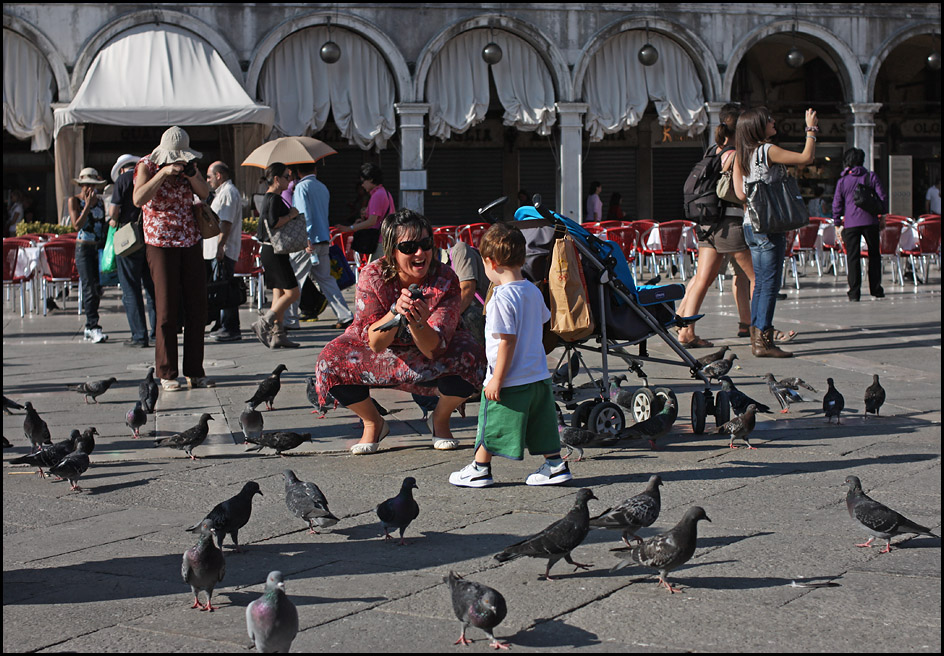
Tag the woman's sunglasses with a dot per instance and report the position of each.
(409, 247)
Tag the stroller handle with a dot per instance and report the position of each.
(486, 212)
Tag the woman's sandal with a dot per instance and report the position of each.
(441, 443)
(363, 448)
(698, 342)
(744, 329)
(783, 338)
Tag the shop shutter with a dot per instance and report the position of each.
(537, 174)
(615, 169)
(459, 181)
(670, 169)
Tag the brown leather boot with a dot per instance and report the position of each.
(756, 345)
(278, 338)
(763, 345)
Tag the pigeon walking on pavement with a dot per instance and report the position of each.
(93, 389)
(72, 467)
(278, 440)
(637, 512)
(876, 519)
(251, 421)
(874, 397)
(714, 357)
(306, 501)
(784, 394)
(399, 320)
(148, 391)
(397, 512)
(740, 427)
(268, 389)
(50, 455)
(190, 439)
(231, 515)
(136, 418)
(35, 429)
(86, 440)
(653, 428)
(558, 540)
(670, 550)
(203, 566)
(833, 402)
(272, 619)
(795, 383)
(574, 439)
(738, 399)
(479, 605)
(719, 368)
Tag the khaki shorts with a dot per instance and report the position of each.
(525, 416)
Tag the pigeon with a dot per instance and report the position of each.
(721, 367)
(72, 467)
(9, 405)
(203, 566)
(148, 391)
(574, 439)
(311, 392)
(426, 403)
(251, 421)
(94, 389)
(796, 383)
(478, 605)
(833, 402)
(87, 440)
(306, 501)
(398, 320)
(35, 429)
(231, 515)
(874, 397)
(50, 455)
(268, 389)
(567, 371)
(713, 357)
(558, 540)
(397, 512)
(278, 440)
(878, 520)
(634, 513)
(670, 550)
(653, 428)
(7, 444)
(738, 399)
(784, 394)
(190, 438)
(136, 418)
(272, 619)
(740, 427)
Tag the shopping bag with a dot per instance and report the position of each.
(567, 293)
(108, 263)
(340, 269)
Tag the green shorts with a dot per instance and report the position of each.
(525, 416)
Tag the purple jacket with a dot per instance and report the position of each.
(845, 212)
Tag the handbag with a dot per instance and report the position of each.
(865, 198)
(340, 269)
(567, 293)
(776, 207)
(223, 294)
(290, 238)
(129, 239)
(725, 188)
(208, 223)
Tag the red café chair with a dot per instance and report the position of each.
(790, 256)
(58, 258)
(445, 237)
(250, 266)
(597, 227)
(829, 244)
(472, 233)
(625, 237)
(927, 247)
(641, 226)
(670, 245)
(11, 254)
(806, 238)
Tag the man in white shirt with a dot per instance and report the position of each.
(223, 251)
(932, 199)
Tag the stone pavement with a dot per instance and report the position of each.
(99, 570)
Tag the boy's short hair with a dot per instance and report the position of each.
(504, 244)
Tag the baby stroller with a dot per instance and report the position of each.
(624, 315)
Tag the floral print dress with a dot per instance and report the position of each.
(348, 360)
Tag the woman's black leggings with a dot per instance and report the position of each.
(447, 385)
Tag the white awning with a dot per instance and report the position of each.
(27, 91)
(160, 75)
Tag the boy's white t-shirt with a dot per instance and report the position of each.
(517, 308)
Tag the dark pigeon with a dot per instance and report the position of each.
(784, 394)
(305, 501)
(878, 520)
(417, 294)
(795, 383)
(558, 540)
(874, 397)
(311, 393)
(714, 357)
(251, 421)
(574, 439)
(231, 515)
(426, 403)
(669, 550)
(634, 513)
(833, 402)
(93, 389)
(278, 440)
(397, 512)
(148, 391)
(35, 429)
(740, 427)
(87, 440)
(268, 389)
(72, 467)
(136, 418)
(567, 371)
(720, 368)
(272, 619)
(190, 438)
(203, 566)
(50, 455)
(479, 605)
(653, 428)
(738, 399)
(9, 405)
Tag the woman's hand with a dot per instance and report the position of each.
(416, 311)
(811, 120)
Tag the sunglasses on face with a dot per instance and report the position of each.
(409, 247)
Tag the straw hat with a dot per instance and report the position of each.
(88, 176)
(175, 147)
(123, 161)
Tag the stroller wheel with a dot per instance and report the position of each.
(642, 404)
(663, 393)
(606, 419)
(722, 409)
(582, 414)
(699, 412)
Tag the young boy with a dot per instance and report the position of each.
(517, 407)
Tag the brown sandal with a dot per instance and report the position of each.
(698, 342)
(783, 338)
(744, 329)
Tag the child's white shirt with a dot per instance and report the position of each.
(517, 308)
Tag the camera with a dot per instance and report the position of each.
(190, 169)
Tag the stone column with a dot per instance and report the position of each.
(570, 120)
(714, 119)
(412, 171)
(863, 129)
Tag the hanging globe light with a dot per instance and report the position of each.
(934, 61)
(330, 52)
(648, 55)
(795, 58)
(492, 53)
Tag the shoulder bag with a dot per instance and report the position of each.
(775, 207)
(290, 238)
(129, 238)
(208, 223)
(865, 198)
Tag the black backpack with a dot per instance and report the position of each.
(865, 198)
(699, 194)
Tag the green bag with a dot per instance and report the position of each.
(108, 264)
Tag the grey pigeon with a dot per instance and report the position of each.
(653, 428)
(714, 357)
(784, 394)
(87, 440)
(50, 455)
(251, 421)
(311, 393)
(268, 389)
(738, 399)
(874, 397)
(203, 566)
(567, 371)
(669, 550)
(148, 391)
(278, 440)
(7, 444)
(634, 513)
(479, 605)
(305, 501)
(795, 383)
(231, 515)
(833, 402)
(136, 418)
(93, 389)
(574, 439)
(558, 540)
(878, 520)
(9, 405)
(35, 429)
(72, 467)
(397, 512)
(720, 368)
(740, 427)
(272, 619)
(190, 438)
(417, 294)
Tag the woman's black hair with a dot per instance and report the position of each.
(372, 172)
(853, 157)
(273, 171)
(414, 226)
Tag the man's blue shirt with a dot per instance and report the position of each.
(311, 198)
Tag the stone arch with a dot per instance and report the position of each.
(886, 48)
(42, 43)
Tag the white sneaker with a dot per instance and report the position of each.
(471, 476)
(95, 335)
(548, 475)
